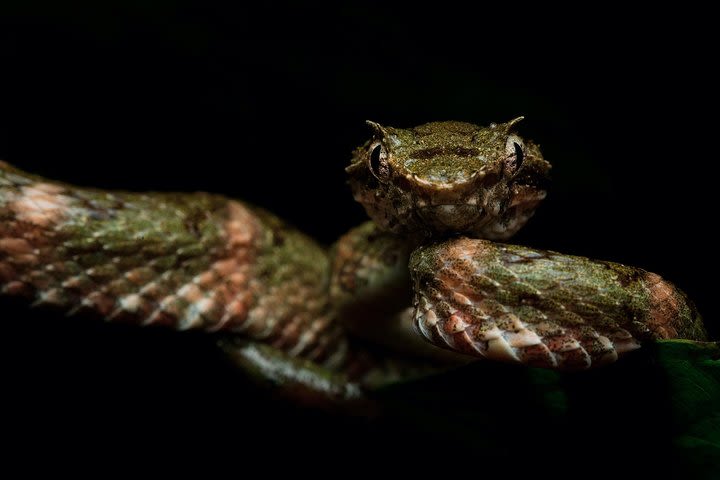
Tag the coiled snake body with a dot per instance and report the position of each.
(425, 273)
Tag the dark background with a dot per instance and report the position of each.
(266, 104)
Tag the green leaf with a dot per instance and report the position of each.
(656, 410)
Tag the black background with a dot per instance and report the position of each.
(265, 104)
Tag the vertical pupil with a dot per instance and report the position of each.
(375, 160)
(519, 156)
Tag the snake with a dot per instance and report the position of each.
(425, 285)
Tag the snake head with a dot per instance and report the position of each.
(449, 177)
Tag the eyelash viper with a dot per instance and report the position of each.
(426, 272)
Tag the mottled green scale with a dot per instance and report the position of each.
(182, 260)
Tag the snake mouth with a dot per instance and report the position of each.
(454, 217)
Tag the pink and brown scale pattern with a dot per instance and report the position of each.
(183, 261)
(510, 304)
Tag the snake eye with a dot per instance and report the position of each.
(515, 154)
(519, 156)
(377, 161)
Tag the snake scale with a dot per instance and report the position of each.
(422, 286)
